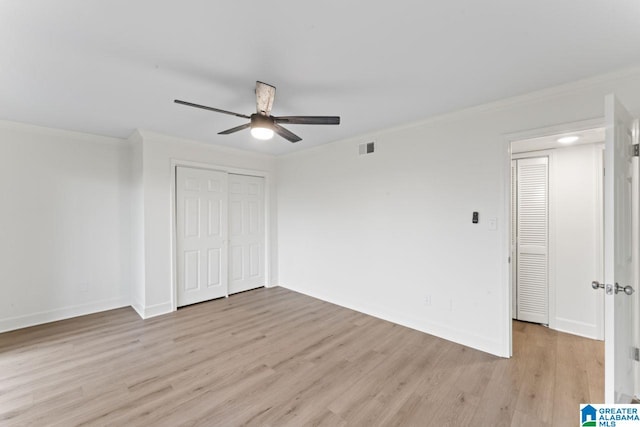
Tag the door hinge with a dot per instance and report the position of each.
(636, 354)
(636, 150)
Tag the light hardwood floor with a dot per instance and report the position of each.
(273, 357)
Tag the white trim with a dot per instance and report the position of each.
(153, 310)
(58, 132)
(138, 309)
(506, 347)
(39, 318)
(533, 154)
(174, 235)
(574, 327)
(229, 170)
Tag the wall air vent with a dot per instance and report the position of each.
(366, 148)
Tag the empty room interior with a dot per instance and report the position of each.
(270, 214)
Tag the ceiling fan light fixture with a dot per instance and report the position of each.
(262, 133)
(261, 127)
(568, 139)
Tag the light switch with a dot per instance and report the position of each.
(493, 223)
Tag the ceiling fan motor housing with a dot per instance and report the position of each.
(261, 121)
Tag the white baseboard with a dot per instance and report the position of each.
(138, 309)
(25, 321)
(574, 327)
(152, 310)
(432, 328)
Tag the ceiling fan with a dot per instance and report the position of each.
(263, 125)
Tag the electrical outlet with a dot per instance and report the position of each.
(427, 300)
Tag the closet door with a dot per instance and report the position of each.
(246, 233)
(532, 240)
(201, 230)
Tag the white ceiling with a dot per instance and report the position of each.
(111, 66)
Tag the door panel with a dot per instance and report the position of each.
(619, 315)
(201, 198)
(192, 217)
(237, 258)
(191, 270)
(246, 232)
(532, 240)
(214, 258)
(215, 214)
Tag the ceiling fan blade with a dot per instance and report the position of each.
(308, 120)
(264, 97)
(235, 129)
(286, 134)
(204, 107)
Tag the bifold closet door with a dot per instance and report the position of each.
(532, 240)
(201, 230)
(246, 233)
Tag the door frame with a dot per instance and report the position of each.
(229, 170)
(506, 270)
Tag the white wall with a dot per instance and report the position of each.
(137, 225)
(576, 207)
(390, 234)
(158, 153)
(64, 215)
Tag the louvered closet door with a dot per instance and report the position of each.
(532, 238)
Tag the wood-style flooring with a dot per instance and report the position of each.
(273, 357)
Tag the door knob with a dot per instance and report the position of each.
(597, 285)
(626, 289)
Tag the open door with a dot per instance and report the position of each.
(618, 262)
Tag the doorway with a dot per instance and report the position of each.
(556, 231)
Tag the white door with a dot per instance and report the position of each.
(201, 229)
(532, 275)
(618, 273)
(246, 233)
